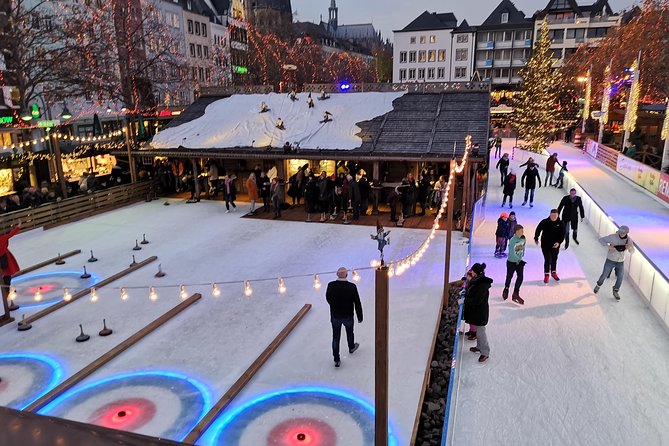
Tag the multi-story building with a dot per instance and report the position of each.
(571, 25)
(422, 49)
(274, 16)
(503, 45)
(462, 52)
(198, 39)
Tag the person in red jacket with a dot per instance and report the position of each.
(9, 267)
(550, 168)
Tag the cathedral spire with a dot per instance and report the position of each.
(333, 15)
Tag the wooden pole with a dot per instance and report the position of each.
(59, 167)
(111, 354)
(449, 234)
(381, 358)
(243, 380)
(196, 180)
(80, 294)
(46, 262)
(131, 160)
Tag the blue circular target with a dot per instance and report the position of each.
(299, 417)
(50, 285)
(157, 403)
(25, 377)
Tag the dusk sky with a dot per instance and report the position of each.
(389, 15)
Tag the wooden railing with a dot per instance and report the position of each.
(76, 208)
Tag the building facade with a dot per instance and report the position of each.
(463, 44)
(571, 25)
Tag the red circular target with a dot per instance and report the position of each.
(302, 432)
(127, 414)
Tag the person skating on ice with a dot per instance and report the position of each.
(498, 146)
(551, 230)
(503, 166)
(501, 234)
(570, 206)
(560, 178)
(510, 183)
(618, 243)
(344, 301)
(529, 181)
(550, 169)
(515, 265)
(476, 309)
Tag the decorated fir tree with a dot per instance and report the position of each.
(535, 106)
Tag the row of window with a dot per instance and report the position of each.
(504, 36)
(504, 73)
(517, 54)
(430, 73)
(460, 38)
(431, 55)
(200, 28)
(200, 51)
(201, 74)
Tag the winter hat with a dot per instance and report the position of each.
(504, 215)
(479, 268)
(512, 213)
(623, 230)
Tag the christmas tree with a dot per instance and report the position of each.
(535, 112)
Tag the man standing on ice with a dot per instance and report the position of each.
(343, 298)
(618, 243)
(552, 233)
(570, 206)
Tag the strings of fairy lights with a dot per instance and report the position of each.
(395, 267)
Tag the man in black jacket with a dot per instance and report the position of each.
(570, 206)
(343, 298)
(529, 182)
(552, 233)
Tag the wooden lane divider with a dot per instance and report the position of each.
(243, 380)
(82, 293)
(46, 262)
(111, 354)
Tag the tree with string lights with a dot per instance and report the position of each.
(535, 113)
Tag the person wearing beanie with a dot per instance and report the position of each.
(344, 301)
(503, 166)
(552, 232)
(510, 183)
(476, 309)
(515, 264)
(618, 243)
(529, 182)
(501, 234)
(570, 205)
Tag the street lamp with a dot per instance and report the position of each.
(66, 113)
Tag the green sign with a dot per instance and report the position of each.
(48, 124)
(240, 70)
(6, 119)
(34, 111)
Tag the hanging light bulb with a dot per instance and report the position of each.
(12, 293)
(374, 263)
(248, 291)
(391, 270)
(38, 294)
(124, 294)
(67, 296)
(153, 294)
(355, 275)
(317, 282)
(94, 295)
(282, 286)
(215, 290)
(183, 294)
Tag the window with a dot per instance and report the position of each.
(422, 56)
(441, 55)
(561, 4)
(189, 5)
(594, 33)
(423, 39)
(505, 19)
(524, 34)
(461, 54)
(201, 73)
(501, 72)
(487, 73)
(412, 40)
(433, 39)
(412, 73)
(556, 35)
(204, 30)
(441, 73)
(504, 36)
(460, 72)
(190, 26)
(199, 51)
(421, 73)
(575, 33)
(175, 20)
(486, 36)
(194, 73)
(521, 54)
(430, 73)
(431, 55)
(557, 54)
(515, 72)
(412, 56)
(207, 74)
(192, 50)
(197, 28)
(462, 38)
(206, 52)
(502, 54)
(403, 75)
(568, 52)
(403, 57)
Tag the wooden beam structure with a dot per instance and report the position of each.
(111, 354)
(46, 262)
(47, 311)
(381, 357)
(246, 377)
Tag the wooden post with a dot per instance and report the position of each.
(381, 358)
(196, 180)
(449, 234)
(59, 167)
(131, 160)
(465, 194)
(5, 318)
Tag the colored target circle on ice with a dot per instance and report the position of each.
(50, 285)
(299, 417)
(26, 377)
(156, 403)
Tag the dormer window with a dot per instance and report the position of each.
(505, 17)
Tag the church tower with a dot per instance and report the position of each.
(275, 16)
(333, 20)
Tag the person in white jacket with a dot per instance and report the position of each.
(619, 242)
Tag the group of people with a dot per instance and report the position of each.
(327, 116)
(530, 178)
(31, 197)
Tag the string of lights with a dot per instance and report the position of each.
(629, 124)
(665, 125)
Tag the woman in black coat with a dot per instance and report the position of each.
(476, 311)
